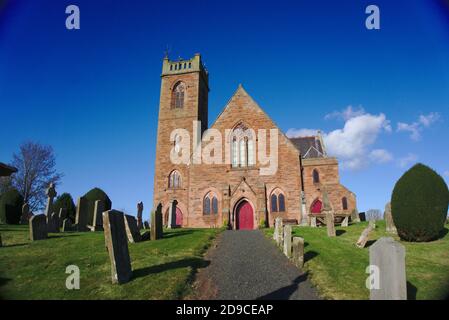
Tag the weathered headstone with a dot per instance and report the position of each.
(363, 239)
(329, 214)
(391, 228)
(362, 216)
(67, 225)
(279, 229)
(117, 245)
(25, 214)
(313, 222)
(62, 216)
(355, 216)
(345, 222)
(132, 231)
(172, 215)
(51, 194)
(146, 236)
(298, 251)
(97, 223)
(38, 227)
(146, 225)
(288, 240)
(156, 231)
(139, 215)
(82, 214)
(388, 257)
(53, 223)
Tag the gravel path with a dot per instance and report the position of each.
(246, 265)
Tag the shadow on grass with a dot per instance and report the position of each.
(309, 255)
(177, 234)
(62, 236)
(16, 245)
(443, 233)
(285, 292)
(194, 263)
(4, 281)
(369, 243)
(411, 291)
(340, 232)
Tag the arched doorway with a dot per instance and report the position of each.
(178, 217)
(316, 207)
(244, 216)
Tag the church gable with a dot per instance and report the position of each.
(242, 109)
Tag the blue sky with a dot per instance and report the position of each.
(93, 93)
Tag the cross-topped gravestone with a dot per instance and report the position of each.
(38, 227)
(156, 231)
(117, 245)
(82, 214)
(298, 251)
(97, 223)
(328, 212)
(388, 257)
(132, 231)
(139, 215)
(288, 240)
(51, 194)
(279, 229)
(25, 214)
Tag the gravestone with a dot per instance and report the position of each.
(117, 245)
(389, 257)
(279, 229)
(363, 239)
(355, 216)
(146, 225)
(38, 227)
(362, 216)
(345, 222)
(62, 215)
(67, 225)
(51, 194)
(298, 251)
(172, 215)
(25, 214)
(97, 223)
(313, 222)
(53, 223)
(288, 240)
(132, 231)
(329, 214)
(146, 236)
(82, 214)
(391, 228)
(156, 231)
(139, 215)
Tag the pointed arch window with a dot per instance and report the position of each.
(178, 95)
(316, 176)
(277, 200)
(242, 146)
(344, 203)
(174, 180)
(210, 204)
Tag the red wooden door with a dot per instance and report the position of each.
(178, 217)
(316, 207)
(245, 216)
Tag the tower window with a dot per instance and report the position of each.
(178, 95)
(316, 176)
(344, 203)
(174, 180)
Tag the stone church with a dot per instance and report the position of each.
(236, 194)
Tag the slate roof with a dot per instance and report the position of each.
(309, 147)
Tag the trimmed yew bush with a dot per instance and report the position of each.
(419, 204)
(94, 195)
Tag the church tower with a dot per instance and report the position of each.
(183, 100)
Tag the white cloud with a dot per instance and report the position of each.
(381, 156)
(407, 160)
(353, 143)
(294, 133)
(346, 114)
(415, 128)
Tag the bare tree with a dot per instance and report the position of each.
(36, 170)
(373, 214)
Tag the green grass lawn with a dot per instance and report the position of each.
(162, 269)
(337, 266)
